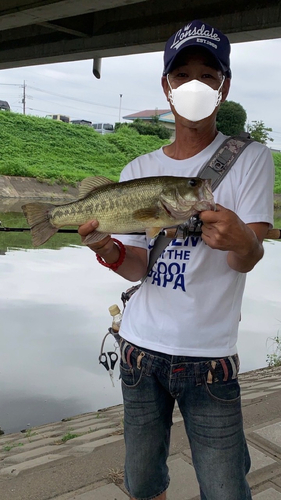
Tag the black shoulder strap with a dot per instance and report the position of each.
(215, 169)
(222, 160)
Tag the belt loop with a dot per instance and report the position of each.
(139, 359)
(123, 348)
(233, 366)
(237, 362)
(128, 357)
(197, 372)
(211, 372)
(225, 369)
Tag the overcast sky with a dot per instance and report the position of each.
(71, 88)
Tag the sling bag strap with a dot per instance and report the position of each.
(215, 169)
(224, 158)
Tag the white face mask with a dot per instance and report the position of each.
(194, 100)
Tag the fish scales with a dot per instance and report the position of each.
(111, 198)
(139, 205)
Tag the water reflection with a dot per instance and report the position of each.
(261, 309)
(54, 314)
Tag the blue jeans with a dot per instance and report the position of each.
(208, 396)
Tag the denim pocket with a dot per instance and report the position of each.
(130, 377)
(227, 392)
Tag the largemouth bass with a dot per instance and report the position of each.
(148, 204)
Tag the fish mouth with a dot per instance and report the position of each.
(168, 212)
(205, 205)
(195, 209)
(177, 213)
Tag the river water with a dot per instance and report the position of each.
(54, 315)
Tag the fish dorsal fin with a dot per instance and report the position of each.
(90, 184)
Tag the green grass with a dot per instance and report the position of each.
(9, 447)
(277, 163)
(29, 433)
(53, 151)
(61, 152)
(274, 359)
(69, 436)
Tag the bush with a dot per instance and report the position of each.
(152, 127)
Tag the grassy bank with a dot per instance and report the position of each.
(47, 149)
(277, 163)
(66, 153)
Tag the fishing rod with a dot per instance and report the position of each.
(25, 229)
(272, 234)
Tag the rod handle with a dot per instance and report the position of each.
(170, 232)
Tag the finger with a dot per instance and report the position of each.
(209, 216)
(220, 208)
(207, 227)
(213, 216)
(209, 240)
(207, 231)
(88, 227)
(101, 246)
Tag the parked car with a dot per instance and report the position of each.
(103, 128)
(61, 118)
(5, 106)
(82, 122)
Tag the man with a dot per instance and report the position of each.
(180, 328)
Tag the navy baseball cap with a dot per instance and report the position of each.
(197, 33)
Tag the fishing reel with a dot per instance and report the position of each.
(192, 227)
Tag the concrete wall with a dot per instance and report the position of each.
(13, 187)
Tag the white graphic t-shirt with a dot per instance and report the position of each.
(191, 301)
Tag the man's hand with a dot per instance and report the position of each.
(224, 230)
(105, 244)
(135, 263)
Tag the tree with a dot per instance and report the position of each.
(259, 132)
(231, 118)
(152, 127)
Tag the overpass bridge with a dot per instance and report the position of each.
(36, 32)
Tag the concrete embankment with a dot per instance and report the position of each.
(82, 457)
(14, 189)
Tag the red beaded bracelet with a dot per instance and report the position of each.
(120, 261)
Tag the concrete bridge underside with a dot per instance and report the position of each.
(39, 31)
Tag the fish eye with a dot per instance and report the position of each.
(192, 182)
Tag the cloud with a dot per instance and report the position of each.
(256, 77)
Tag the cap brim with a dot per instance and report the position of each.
(225, 70)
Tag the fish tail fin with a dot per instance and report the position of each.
(38, 218)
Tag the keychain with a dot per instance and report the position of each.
(109, 359)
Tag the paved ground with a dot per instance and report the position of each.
(42, 464)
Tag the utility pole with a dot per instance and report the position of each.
(23, 97)
(121, 95)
